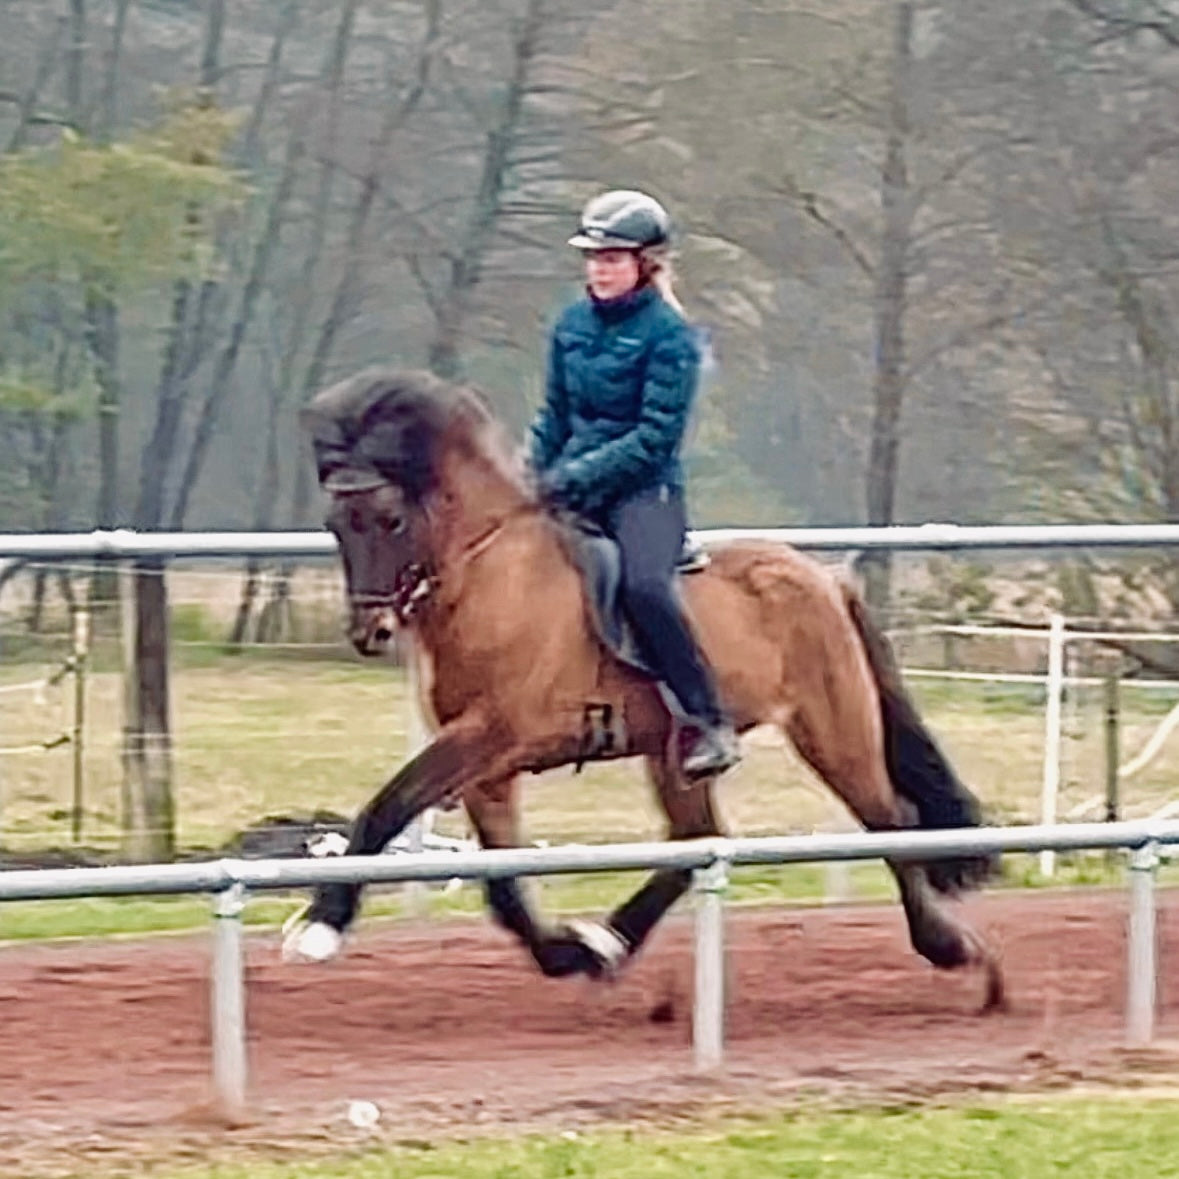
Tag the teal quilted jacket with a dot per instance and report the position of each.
(622, 376)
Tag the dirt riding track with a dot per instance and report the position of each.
(104, 1047)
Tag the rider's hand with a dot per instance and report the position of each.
(560, 487)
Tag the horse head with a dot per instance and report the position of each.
(379, 438)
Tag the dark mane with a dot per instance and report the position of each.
(385, 424)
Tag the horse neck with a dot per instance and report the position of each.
(476, 495)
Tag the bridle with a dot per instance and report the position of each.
(416, 583)
(413, 586)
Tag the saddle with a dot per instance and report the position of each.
(600, 561)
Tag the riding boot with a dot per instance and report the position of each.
(712, 750)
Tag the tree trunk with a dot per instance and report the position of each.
(220, 382)
(251, 150)
(37, 603)
(157, 457)
(75, 63)
(452, 305)
(340, 309)
(149, 820)
(333, 77)
(265, 498)
(109, 107)
(890, 308)
(211, 49)
(46, 66)
(240, 631)
(47, 473)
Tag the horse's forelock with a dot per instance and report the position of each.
(384, 420)
(394, 421)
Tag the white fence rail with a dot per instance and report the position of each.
(125, 544)
(711, 859)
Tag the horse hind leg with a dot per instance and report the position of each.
(599, 949)
(851, 761)
(942, 938)
(691, 815)
(578, 948)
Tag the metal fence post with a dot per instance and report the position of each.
(229, 1002)
(708, 1012)
(1050, 787)
(78, 731)
(1141, 965)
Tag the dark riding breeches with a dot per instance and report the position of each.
(650, 532)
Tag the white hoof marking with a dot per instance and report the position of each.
(609, 947)
(316, 942)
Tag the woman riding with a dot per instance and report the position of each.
(623, 370)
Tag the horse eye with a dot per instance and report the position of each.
(395, 525)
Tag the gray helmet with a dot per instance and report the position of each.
(622, 220)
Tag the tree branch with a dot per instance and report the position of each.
(808, 202)
(1165, 25)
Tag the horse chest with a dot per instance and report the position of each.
(422, 684)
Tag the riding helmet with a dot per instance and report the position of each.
(622, 220)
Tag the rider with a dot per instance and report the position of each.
(623, 369)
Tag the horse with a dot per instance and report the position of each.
(442, 533)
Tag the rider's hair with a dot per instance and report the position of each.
(655, 267)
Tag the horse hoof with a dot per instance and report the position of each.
(316, 942)
(608, 948)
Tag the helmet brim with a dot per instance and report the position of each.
(605, 241)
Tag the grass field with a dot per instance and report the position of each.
(257, 737)
(1090, 1138)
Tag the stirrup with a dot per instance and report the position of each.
(714, 752)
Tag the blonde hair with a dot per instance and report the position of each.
(656, 265)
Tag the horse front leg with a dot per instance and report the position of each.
(464, 750)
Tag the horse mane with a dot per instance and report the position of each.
(390, 422)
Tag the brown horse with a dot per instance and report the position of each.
(440, 532)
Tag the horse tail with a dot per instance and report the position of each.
(918, 769)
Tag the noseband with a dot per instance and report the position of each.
(414, 584)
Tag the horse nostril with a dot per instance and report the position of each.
(382, 634)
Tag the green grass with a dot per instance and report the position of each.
(1042, 1139)
(588, 892)
(255, 737)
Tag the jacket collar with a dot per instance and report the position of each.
(616, 310)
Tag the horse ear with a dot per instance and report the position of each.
(329, 441)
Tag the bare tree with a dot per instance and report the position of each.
(464, 258)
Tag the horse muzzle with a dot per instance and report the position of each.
(372, 629)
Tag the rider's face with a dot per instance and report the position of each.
(611, 273)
